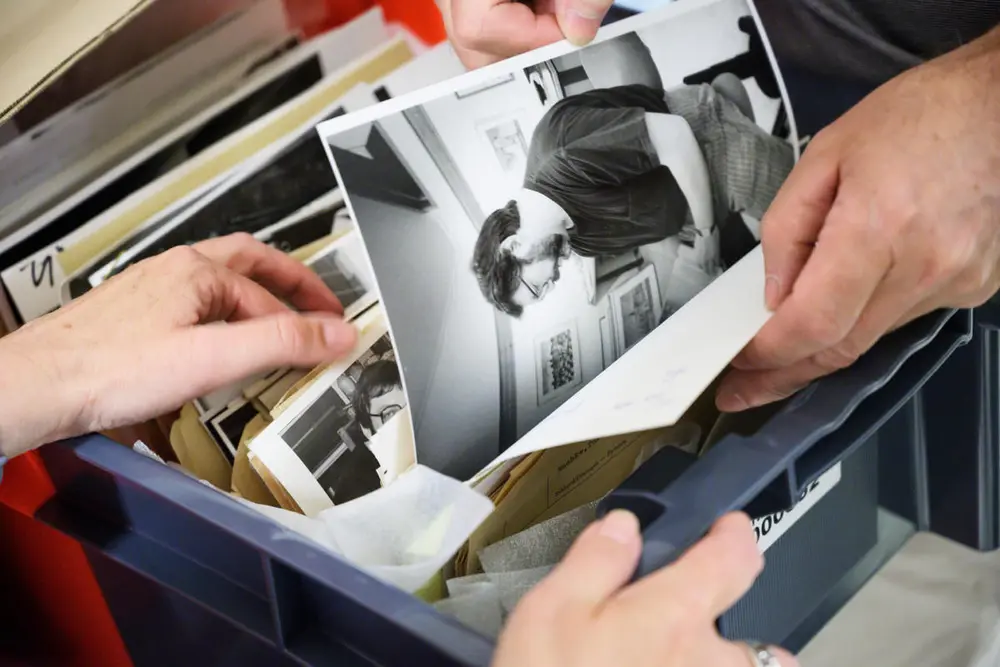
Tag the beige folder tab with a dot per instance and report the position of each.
(40, 39)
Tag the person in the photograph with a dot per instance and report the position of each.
(613, 169)
(355, 472)
(378, 396)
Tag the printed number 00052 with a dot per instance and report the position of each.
(763, 526)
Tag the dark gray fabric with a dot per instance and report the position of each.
(872, 40)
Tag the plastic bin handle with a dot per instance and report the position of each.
(805, 438)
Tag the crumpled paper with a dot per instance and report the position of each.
(403, 533)
(511, 568)
(543, 544)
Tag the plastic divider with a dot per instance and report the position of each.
(810, 434)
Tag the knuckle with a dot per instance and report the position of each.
(183, 255)
(467, 33)
(824, 326)
(768, 388)
(840, 356)
(897, 210)
(290, 337)
(242, 240)
(974, 282)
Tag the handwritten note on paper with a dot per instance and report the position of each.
(35, 284)
(662, 376)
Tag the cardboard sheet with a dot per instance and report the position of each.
(42, 38)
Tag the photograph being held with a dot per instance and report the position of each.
(614, 169)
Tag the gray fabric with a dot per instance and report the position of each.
(872, 40)
(746, 164)
(935, 604)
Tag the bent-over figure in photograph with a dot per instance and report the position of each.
(613, 169)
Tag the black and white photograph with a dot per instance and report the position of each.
(266, 193)
(332, 437)
(606, 187)
(345, 270)
(227, 427)
(310, 224)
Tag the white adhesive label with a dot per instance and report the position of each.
(35, 285)
(769, 529)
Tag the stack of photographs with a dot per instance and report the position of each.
(170, 173)
(344, 268)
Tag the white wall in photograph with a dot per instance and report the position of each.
(463, 122)
(448, 347)
(706, 37)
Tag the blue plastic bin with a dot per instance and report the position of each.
(192, 576)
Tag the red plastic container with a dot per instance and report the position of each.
(316, 16)
(57, 613)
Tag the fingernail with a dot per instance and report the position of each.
(731, 401)
(621, 526)
(772, 288)
(581, 25)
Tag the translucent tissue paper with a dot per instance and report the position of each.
(403, 533)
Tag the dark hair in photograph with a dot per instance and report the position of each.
(498, 271)
(376, 380)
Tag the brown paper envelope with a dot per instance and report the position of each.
(269, 399)
(204, 458)
(149, 433)
(285, 500)
(297, 389)
(562, 479)
(246, 482)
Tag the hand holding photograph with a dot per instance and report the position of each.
(527, 221)
(345, 270)
(341, 438)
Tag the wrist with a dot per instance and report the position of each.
(36, 406)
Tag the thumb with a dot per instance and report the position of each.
(221, 353)
(581, 19)
(598, 564)
(793, 221)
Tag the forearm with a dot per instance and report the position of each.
(34, 406)
(678, 150)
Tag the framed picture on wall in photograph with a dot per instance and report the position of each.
(507, 141)
(558, 369)
(635, 309)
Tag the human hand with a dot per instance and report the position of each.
(586, 614)
(891, 213)
(487, 31)
(165, 331)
